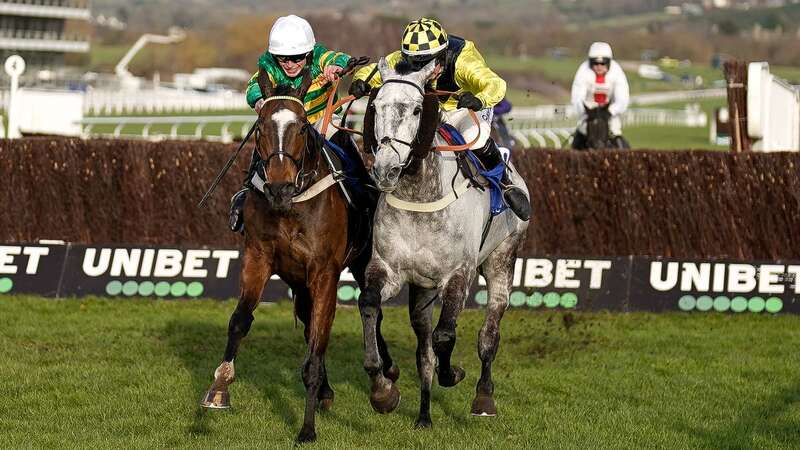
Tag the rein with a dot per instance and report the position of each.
(441, 148)
(331, 106)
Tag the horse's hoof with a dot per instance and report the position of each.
(385, 401)
(216, 399)
(307, 434)
(451, 379)
(325, 404)
(393, 373)
(483, 406)
(325, 399)
(423, 424)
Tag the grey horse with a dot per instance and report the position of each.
(433, 232)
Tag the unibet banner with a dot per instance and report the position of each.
(151, 272)
(539, 283)
(659, 284)
(31, 268)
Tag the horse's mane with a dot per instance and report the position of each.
(283, 89)
(403, 67)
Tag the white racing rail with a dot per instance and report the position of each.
(532, 127)
(231, 127)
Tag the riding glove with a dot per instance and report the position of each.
(468, 100)
(359, 88)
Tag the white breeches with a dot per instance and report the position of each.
(462, 121)
(614, 126)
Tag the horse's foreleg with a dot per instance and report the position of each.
(420, 308)
(454, 294)
(322, 288)
(358, 269)
(384, 395)
(499, 272)
(302, 307)
(390, 369)
(255, 271)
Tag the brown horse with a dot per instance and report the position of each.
(304, 241)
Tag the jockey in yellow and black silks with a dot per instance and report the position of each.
(461, 69)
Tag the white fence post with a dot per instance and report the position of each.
(15, 66)
(773, 110)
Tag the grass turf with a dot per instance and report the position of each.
(104, 373)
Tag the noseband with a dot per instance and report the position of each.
(303, 177)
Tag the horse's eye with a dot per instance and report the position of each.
(417, 110)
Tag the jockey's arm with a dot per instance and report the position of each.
(363, 73)
(327, 58)
(622, 95)
(473, 75)
(580, 86)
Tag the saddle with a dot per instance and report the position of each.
(472, 169)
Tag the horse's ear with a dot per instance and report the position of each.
(428, 124)
(370, 141)
(424, 74)
(305, 85)
(264, 84)
(384, 69)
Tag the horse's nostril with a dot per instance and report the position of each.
(394, 173)
(287, 190)
(279, 190)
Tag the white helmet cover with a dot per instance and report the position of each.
(600, 50)
(291, 35)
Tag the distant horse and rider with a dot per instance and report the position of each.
(600, 95)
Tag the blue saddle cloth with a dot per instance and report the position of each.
(355, 174)
(493, 175)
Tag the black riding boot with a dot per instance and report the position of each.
(515, 197)
(236, 216)
(579, 141)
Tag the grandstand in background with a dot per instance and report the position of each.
(38, 30)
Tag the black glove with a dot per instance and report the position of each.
(468, 100)
(359, 88)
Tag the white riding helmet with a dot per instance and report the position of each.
(291, 35)
(600, 50)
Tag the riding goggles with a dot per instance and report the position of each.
(291, 58)
(417, 62)
(599, 61)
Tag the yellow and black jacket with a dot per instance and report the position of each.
(464, 71)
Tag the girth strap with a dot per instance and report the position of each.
(315, 189)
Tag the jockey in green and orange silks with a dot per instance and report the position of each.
(293, 47)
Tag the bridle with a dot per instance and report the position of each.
(390, 140)
(304, 177)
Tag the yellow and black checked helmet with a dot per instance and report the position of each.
(424, 37)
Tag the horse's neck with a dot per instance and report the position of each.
(427, 183)
(597, 130)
